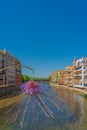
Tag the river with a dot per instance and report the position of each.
(72, 117)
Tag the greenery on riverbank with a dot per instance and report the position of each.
(15, 90)
(27, 78)
(85, 95)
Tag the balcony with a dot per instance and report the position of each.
(77, 75)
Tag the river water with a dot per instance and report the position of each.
(72, 117)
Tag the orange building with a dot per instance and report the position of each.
(64, 77)
(61, 77)
(52, 77)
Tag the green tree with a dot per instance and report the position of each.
(25, 78)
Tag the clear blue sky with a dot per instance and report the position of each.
(44, 34)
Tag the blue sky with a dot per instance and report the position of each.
(46, 35)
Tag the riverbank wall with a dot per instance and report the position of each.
(82, 92)
(9, 91)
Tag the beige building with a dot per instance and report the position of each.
(69, 76)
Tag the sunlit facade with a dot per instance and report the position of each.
(61, 74)
(69, 76)
(80, 73)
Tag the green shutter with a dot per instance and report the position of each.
(57, 77)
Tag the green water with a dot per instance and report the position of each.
(72, 117)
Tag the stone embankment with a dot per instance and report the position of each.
(79, 90)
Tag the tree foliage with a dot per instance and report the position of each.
(27, 78)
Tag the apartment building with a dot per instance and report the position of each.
(73, 76)
(69, 76)
(80, 72)
(58, 76)
(12, 75)
(52, 77)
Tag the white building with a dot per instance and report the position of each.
(80, 73)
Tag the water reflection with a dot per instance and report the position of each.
(73, 117)
(77, 109)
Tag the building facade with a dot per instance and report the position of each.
(62, 77)
(80, 72)
(52, 77)
(58, 76)
(69, 76)
(73, 76)
(12, 75)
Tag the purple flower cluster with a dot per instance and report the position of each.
(32, 88)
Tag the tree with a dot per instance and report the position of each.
(25, 78)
